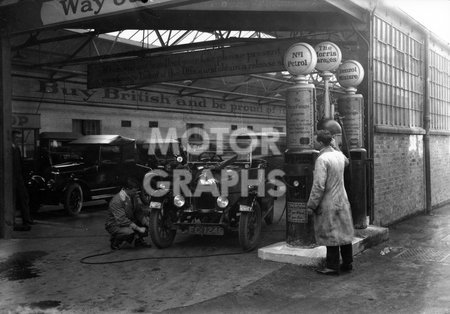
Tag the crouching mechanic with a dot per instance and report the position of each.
(127, 217)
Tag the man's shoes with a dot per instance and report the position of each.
(328, 271)
(23, 227)
(346, 268)
(140, 243)
(115, 244)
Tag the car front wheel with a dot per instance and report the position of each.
(160, 228)
(250, 228)
(73, 199)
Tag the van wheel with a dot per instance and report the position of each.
(73, 199)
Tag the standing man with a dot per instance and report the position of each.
(20, 192)
(328, 200)
(127, 219)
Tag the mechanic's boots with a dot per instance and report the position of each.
(140, 243)
(115, 244)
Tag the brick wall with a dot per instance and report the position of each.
(440, 169)
(399, 186)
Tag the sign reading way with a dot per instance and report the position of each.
(255, 58)
(59, 11)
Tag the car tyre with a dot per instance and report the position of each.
(250, 228)
(73, 199)
(160, 230)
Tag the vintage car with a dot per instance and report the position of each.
(47, 151)
(91, 167)
(160, 153)
(202, 207)
(269, 146)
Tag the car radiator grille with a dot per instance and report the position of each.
(205, 201)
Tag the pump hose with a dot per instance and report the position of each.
(84, 259)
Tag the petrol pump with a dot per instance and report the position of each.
(300, 60)
(350, 107)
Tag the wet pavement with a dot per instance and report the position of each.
(41, 272)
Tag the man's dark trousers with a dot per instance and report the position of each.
(333, 256)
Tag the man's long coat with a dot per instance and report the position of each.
(333, 224)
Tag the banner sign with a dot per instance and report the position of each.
(60, 11)
(137, 99)
(256, 58)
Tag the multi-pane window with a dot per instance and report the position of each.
(86, 127)
(398, 76)
(125, 123)
(439, 89)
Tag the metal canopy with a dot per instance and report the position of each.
(183, 26)
(184, 14)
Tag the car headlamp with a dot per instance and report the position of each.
(222, 201)
(296, 183)
(179, 201)
(180, 159)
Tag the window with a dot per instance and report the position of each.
(86, 127)
(194, 136)
(152, 124)
(250, 127)
(126, 124)
(398, 76)
(234, 127)
(129, 152)
(110, 154)
(26, 142)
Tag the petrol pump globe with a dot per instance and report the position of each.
(300, 59)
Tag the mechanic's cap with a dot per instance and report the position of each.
(130, 183)
(332, 126)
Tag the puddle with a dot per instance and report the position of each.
(45, 305)
(20, 266)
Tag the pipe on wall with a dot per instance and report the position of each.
(426, 123)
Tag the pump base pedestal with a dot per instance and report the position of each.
(281, 252)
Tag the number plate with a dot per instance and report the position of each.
(245, 208)
(207, 230)
(155, 205)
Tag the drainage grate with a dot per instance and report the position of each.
(424, 254)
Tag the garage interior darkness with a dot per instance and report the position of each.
(63, 51)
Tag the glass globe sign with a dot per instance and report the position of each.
(329, 56)
(299, 60)
(350, 74)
